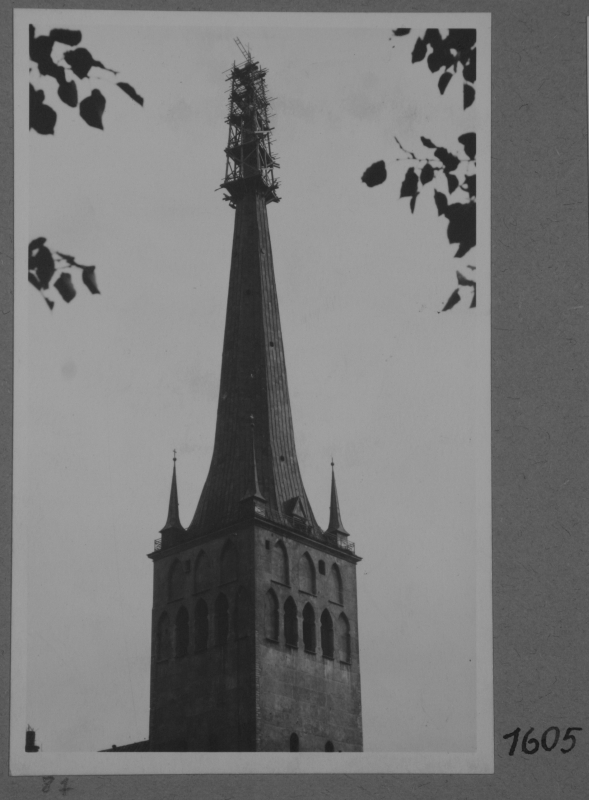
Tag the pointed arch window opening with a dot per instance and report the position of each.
(309, 632)
(344, 639)
(335, 586)
(201, 623)
(291, 623)
(327, 644)
(221, 620)
(181, 637)
(271, 616)
(307, 578)
(202, 573)
(176, 581)
(280, 565)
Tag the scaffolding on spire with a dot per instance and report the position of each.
(250, 162)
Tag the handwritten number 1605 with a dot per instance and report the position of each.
(549, 740)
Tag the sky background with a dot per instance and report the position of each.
(378, 377)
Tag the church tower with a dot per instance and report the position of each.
(255, 624)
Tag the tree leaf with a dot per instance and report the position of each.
(81, 61)
(34, 280)
(427, 142)
(375, 174)
(35, 243)
(89, 279)
(419, 51)
(471, 185)
(469, 142)
(449, 160)
(65, 36)
(444, 81)
(427, 174)
(462, 221)
(41, 263)
(452, 182)
(68, 93)
(412, 202)
(461, 39)
(42, 118)
(92, 109)
(49, 302)
(469, 71)
(462, 281)
(401, 31)
(441, 202)
(410, 185)
(468, 95)
(128, 89)
(65, 287)
(452, 300)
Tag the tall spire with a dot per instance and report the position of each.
(173, 522)
(253, 370)
(335, 520)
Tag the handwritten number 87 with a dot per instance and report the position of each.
(549, 740)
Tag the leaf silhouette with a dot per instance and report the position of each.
(81, 61)
(441, 202)
(452, 300)
(42, 118)
(89, 279)
(92, 109)
(471, 185)
(469, 71)
(410, 185)
(462, 281)
(65, 287)
(64, 36)
(468, 95)
(375, 174)
(128, 89)
(469, 142)
(419, 51)
(452, 182)
(462, 220)
(449, 160)
(401, 31)
(41, 263)
(444, 81)
(427, 174)
(34, 280)
(68, 93)
(49, 302)
(427, 142)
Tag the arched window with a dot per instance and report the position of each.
(309, 637)
(291, 623)
(181, 632)
(343, 635)
(329, 748)
(201, 620)
(241, 613)
(176, 579)
(322, 567)
(202, 572)
(271, 616)
(229, 563)
(163, 638)
(336, 589)
(280, 563)
(294, 743)
(306, 574)
(221, 619)
(327, 634)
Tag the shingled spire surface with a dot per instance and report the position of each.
(253, 372)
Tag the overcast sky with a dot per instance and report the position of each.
(378, 377)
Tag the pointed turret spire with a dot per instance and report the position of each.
(335, 520)
(173, 522)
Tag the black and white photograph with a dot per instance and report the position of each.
(252, 440)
